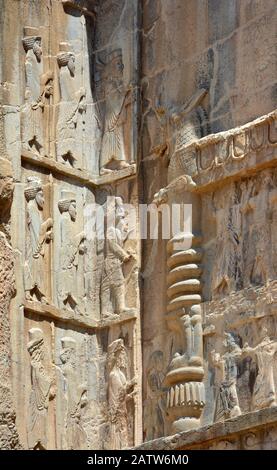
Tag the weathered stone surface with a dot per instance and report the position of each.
(110, 335)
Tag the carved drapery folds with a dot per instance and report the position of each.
(113, 280)
(71, 112)
(72, 251)
(38, 92)
(120, 391)
(114, 153)
(38, 237)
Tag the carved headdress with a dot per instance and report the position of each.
(68, 343)
(67, 198)
(35, 339)
(114, 348)
(32, 40)
(66, 57)
(34, 187)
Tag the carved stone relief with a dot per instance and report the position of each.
(71, 110)
(115, 154)
(39, 233)
(113, 282)
(120, 391)
(70, 277)
(42, 390)
(74, 435)
(154, 406)
(227, 403)
(243, 256)
(32, 124)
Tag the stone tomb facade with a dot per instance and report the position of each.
(109, 339)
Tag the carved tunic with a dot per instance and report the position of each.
(113, 138)
(118, 409)
(32, 125)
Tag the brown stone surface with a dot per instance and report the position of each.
(252, 431)
(113, 340)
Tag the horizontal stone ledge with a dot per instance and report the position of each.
(225, 156)
(81, 176)
(82, 6)
(205, 436)
(69, 317)
(240, 308)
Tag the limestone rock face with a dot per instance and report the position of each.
(115, 114)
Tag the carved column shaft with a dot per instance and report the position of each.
(185, 395)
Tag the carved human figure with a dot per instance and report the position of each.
(42, 391)
(227, 403)
(75, 393)
(71, 111)
(154, 406)
(113, 154)
(113, 282)
(227, 272)
(264, 393)
(72, 251)
(39, 234)
(120, 390)
(191, 329)
(37, 93)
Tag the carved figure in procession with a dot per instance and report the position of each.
(227, 402)
(191, 335)
(71, 111)
(227, 270)
(154, 406)
(72, 251)
(75, 393)
(39, 89)
(113, 281)
(38, 236)
(113, 154)
(120, 390)
(264, 392)
(43, 390)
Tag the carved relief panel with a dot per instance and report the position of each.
(71, 108)
(115, 84)
(245, 225)
(35, 235)
(35, 112)
(78, 388)
(117, 256)
(241, 374)
(121, 388)
(74, 249)
(59, 388)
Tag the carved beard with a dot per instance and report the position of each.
(71, 66)
(37, 50)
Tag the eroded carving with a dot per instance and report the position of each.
(264, 392)
(113, 295)
(38, 237)
(71, 111)
(114, 153)
(120, 390)
(227, 402)
(72, 251)
(43, 389)
(154, 405)
(39, 89)
(74, 435)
